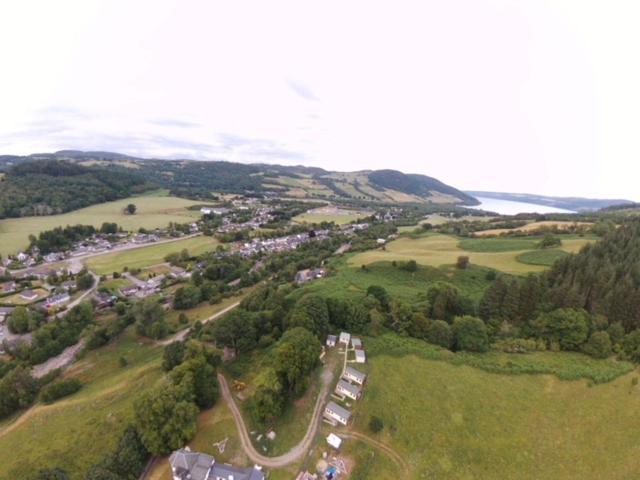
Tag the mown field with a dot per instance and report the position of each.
(436, 250)
(148, 255)
(155, 209)
(459, 422)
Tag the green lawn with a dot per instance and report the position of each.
(16, 299)
(459, 422)
(148, 255)
(318, 218)
(155, 209)
(76, 432)
(545, 257)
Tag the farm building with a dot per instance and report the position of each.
(354, 375)
(345, 338)
(333, 411)
(128, 291)
(360, 356)
(348, 390)
(186, 464)
(331, 340)
(356, 343)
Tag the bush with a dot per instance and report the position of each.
(470, 334)
(462, 262)
(58, 390)
(376, 424)
(439, 333)
(598, 345)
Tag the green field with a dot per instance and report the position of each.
(437, 250)
(155, 209)
(348, 281)
(76, 432)
(148, 255)
(319, 218)
(16, 299)
(545, 257)
(459, 422)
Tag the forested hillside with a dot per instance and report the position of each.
(48, 187)
(602, 280)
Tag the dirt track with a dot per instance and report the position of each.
(297, 451)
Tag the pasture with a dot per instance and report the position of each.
(436, 250)
(154, 209)
(459, 422)
(147, 256)
(545, 257)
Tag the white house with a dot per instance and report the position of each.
(354, 375)
(348, 390)
(333, 411)
(331, 340)
(356, 343)
(29, 295)
(57, 300)
(360, 356)
(345, 338)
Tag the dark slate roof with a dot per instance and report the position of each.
(190, 465)
(229, 472)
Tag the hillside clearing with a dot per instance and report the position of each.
(153, 210)
(529, 227)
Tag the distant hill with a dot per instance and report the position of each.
(576, 204)
(200, 179)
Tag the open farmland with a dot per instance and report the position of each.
(436, 250)
(154, 210)
(148, 255)
(533, 226)
(460, 422)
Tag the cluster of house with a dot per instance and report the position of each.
(145, 288)
(280, 244)
(262, 216)
(350, 385)
(188, 465)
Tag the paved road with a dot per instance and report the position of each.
(297, 451)
(182, 334)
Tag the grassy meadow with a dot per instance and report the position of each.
(148, 255)
(155, 209)
(458, 422)
(436, 250)
(347, 281)
(77, 431)
(542, 257)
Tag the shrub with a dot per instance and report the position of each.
(462, 262)
(58, 390)
(598, 345)
(439, 333)
(376, 424)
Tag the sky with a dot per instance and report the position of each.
(519, 96)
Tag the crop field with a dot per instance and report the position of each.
(154, 210)
(459, 422)
(77, 431)
(148, 255)
(436, 250)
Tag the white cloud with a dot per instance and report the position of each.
(483, 94)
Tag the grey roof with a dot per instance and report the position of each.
(190, 465)
(356, 342)
(353, 389)
(229, 472)
(332, 337)
(360, 354)
(342, 412)
(355, 373)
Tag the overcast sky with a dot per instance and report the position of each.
(520, 96)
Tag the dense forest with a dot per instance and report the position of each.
(53, 186)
